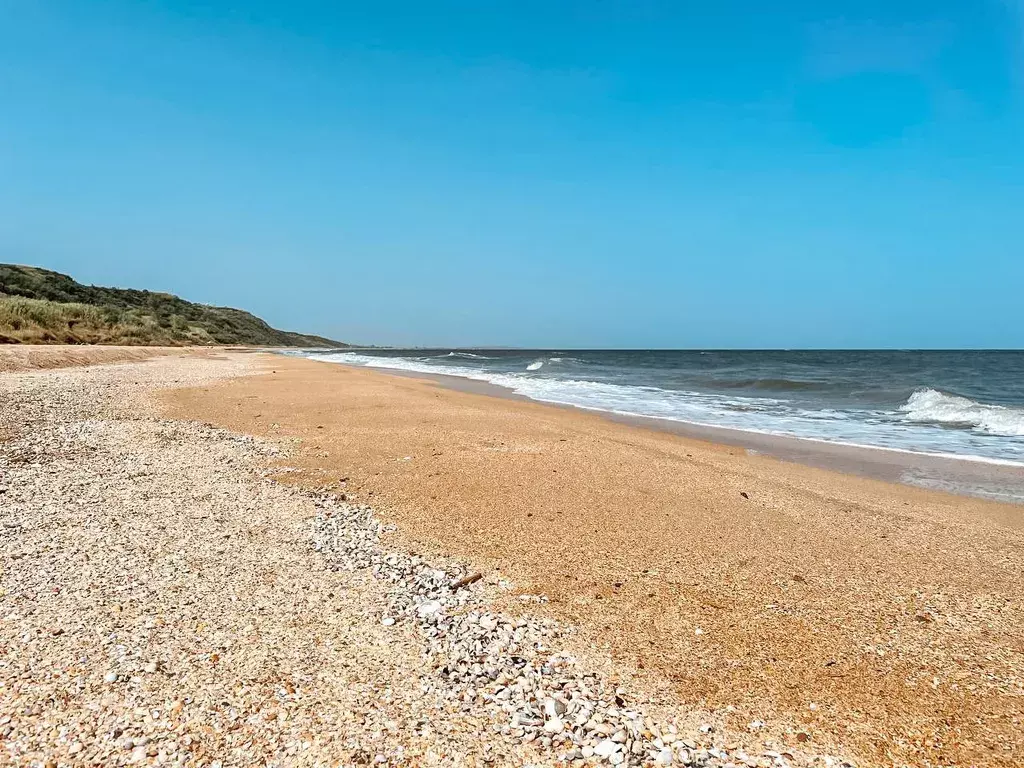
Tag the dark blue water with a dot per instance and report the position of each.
(967, 404)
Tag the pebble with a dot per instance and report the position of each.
(429, 608)
(554, 725)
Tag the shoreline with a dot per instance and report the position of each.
(235, 619)
(974, 477)
(877, 617)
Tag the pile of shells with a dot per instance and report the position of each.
(507, 666)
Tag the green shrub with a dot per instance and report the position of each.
(40, 306)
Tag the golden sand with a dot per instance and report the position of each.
(882, 618)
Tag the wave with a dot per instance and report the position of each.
(773, 385)
(911, 429)
(469, 356)
(929, 406)
(536, 365)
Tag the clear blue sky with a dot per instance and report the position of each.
(603, 173)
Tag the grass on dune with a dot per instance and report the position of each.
(39, 306)
(38, 321)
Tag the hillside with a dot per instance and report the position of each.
(38, 306)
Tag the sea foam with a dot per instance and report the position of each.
(920, 425)
(929, 406)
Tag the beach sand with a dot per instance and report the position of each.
(163, 601)
(843, 611)
(25, 357)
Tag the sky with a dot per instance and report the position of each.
(611, 173)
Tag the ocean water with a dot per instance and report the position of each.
(967, 404)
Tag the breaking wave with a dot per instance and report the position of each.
(929, 422)
(469, 356)
(929, 406)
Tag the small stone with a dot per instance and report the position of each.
(388, 621)
(665, 757)
(75, 748)
(151, 667)
(554, 725)
(110, 677)
(429, 608)
(606, 748)
(554, 707)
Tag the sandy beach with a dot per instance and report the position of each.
(229, 558)
(512, 385)
(163, 602)
(857, 614)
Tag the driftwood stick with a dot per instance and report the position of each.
(465, 581)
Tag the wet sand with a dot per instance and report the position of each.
(842, 610)
(983, 479)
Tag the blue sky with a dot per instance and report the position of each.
(604, 173)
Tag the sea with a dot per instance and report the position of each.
(963, 404)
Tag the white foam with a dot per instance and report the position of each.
(469, 356)
(765, 415)
(930, 406)
(535, 365)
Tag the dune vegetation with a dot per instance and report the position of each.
(38, 306)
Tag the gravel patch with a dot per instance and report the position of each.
(163, 602)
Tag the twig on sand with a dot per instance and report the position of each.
(465, 581)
